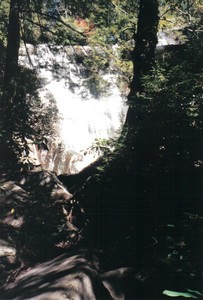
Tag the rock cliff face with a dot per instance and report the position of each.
(86, 112)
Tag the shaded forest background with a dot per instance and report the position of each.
(141, 204)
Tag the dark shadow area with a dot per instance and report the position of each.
(73, 275)
(145, 205)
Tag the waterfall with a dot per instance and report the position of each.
(170, 37)
(83, 117)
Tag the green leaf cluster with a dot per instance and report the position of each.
(4, 12)
(191, 294)
(28, 119)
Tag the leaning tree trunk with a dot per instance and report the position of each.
(10, 83)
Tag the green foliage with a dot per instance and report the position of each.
(172, 102)
(42, 22)
(104, 146)
(96, 64)
(191, 294)
(174, 14)
(164, 136)
(4, 11)
(118, 30)
(29, 120)
(178, 18)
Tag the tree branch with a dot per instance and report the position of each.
(59, 20)
(71, 38)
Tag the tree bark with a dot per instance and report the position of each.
(13, 44)
(145, 43)
(10, 81)
(143, 57)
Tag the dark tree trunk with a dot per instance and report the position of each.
(10, 82)
(143, 57)
(13, 44)
(145, 43)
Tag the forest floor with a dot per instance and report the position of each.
(46, 254)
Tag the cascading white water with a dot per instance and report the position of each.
(83, 118)
(168, 37)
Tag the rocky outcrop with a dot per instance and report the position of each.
(76, 275)
(39, 218)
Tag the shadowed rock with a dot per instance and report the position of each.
(73, 276)
(36, 218)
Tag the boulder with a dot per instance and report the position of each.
(75, 275)
(38, 218)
